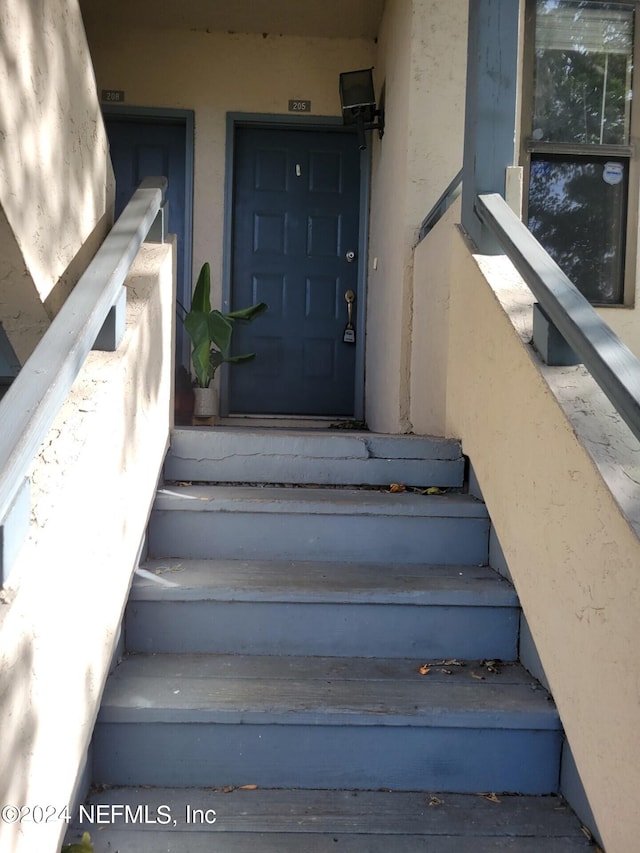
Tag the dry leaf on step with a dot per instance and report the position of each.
(248, 788)
(394, 488)
(424, 669)
(491, 797)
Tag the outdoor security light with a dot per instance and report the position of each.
(358, 101)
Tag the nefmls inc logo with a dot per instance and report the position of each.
(109, 813)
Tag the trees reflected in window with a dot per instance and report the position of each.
(577, 211)
(583, 72)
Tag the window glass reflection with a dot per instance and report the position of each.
(577, 212)
(583, 65)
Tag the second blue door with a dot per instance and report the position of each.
(295, 246)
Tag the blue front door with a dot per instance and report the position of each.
(144, 147)
(295, 246)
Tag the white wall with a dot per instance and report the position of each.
(93, 484)
(56, 184)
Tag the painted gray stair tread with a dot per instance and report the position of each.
(205, 498)
(213, 841)
(320, 456)
(309, 581)
(320, 444)
(294, 667)
(273, 698)
(347, 812)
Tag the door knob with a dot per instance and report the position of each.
(350, 256)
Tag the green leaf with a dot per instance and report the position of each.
(210, 331)
(237, 359)
(216, 358)
(197, 325)
(219, 330)
(202, 364)
(246, 315)
(201, 300)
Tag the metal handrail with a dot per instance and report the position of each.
(611, 363)
(29, 407)
(441, 206)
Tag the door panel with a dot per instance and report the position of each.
(142, 148)
(295, 217)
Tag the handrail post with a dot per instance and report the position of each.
(159, 229)
(611, 363)
(549, 343)
(112, 332)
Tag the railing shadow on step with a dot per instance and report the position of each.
(91, 318)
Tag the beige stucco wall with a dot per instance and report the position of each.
(56, 183)
(560, 477)
(430, 346)
(93, 484)
(421, 61)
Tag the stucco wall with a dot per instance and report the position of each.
(93, 484)
(430, 346)
(421, 61)
(560, 477)
(56, 183)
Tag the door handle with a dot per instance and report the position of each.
(350, 298)
(349, 332)
(350, 256)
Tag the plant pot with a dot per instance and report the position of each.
(206, 402)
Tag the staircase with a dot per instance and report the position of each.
(301, 659)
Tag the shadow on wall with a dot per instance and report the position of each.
(55, 173)
(20, 722)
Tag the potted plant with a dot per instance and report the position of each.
(210, 332)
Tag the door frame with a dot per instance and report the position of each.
(178, 117)
(279, 122)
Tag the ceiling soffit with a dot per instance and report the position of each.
(320, 18)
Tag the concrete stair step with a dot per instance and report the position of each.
(288, 821)
(322, 608)
(310, 722)
(202, 521)
(236, 455)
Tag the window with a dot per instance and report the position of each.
(577, 142)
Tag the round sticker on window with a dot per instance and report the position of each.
(612, 173)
